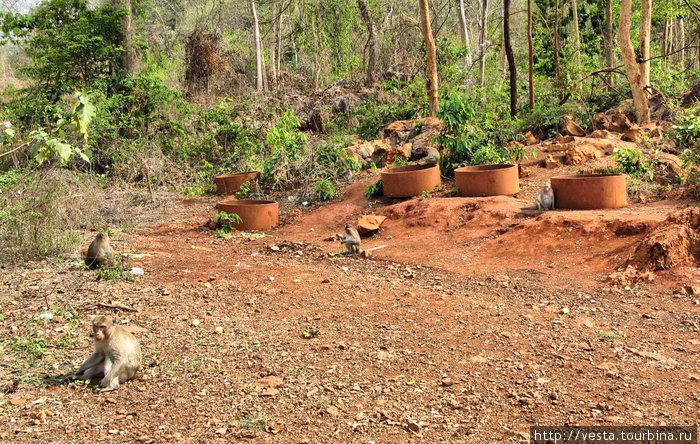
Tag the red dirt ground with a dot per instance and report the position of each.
(477, 320)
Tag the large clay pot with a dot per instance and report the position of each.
(487, 180)
(254, 214)
(228, 184)
(411, 180)
(590, 191)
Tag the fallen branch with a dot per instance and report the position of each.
(115, 306)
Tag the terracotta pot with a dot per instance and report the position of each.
(254, 214)
(228, 184)
(487, 180)
(590, 191)
(411, 180)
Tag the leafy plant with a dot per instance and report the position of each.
(375, 190)
(117, 270)
(633, 162)
(226, 221)
(610, 335)
(324, 190)
(428, 193)
(399, 162)
(255, 420)
(286, 145)
(32, 347)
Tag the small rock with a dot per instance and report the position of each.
(137, 271)
(332, 410)
(568, 127)
(412, 426)
(694, 377)
(529, 138)
(565, 310)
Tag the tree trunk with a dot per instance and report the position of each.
(483, 36)
(645, 41)
(273, 48)
(641, 106)
(464, 32)
(371, 41)
(317, 63)
(511, 60)
(577, 37)
(128, 61)
(279, 44)
(426, 29)
(681, 42)
(258, 50)
(608, 50)
(557, 66)
(531, 58)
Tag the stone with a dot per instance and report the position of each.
(668, 168)
(580, 154)
(619, 123)
(568, 127)
(561, 139)
(634, 134)
(523, 171)
(369, 224)
(601, 122)
(530, 139)
(403, 152)
(601, 134)
(269, 382)
(550, 163)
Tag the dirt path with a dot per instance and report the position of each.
(478, 320)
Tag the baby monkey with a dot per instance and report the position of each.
(117, 355)
(100, 252)
(351, 239)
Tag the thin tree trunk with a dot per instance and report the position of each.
(641, 106)
(426, 29)
(279, 45)
(317, 64)
(483, 36)
(577, 37)
(645, 41)
(511, 60)
(531, 58)
(273, 48)
(681, 41)
(609, 56)
(371, 41)
(557, 66)
(128, 62)
(464, 31)
(258, 50)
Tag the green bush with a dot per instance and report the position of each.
(375, 190)
(633, 162)
(324, 190)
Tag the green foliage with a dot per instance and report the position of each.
(31, 348)
(372, 116)
(117, 270)
(226, 222)
(610, 335)
(70, 44)
(286, 144)
(331, 159)
(633, 162)
(324, 190)
(399, 162)
(687, 136)
(375, 190)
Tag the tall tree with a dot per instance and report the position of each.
(645, 42)
(511, 60)
(641, 106)
(608, 39)
(483, 38)
(258, 49)
(464, 31)
(577, 36)
(531, 58)
(557, 65)
(371, 41)
(128, 61)
(426, 29)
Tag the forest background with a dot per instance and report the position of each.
(166, 94)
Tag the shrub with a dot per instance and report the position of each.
(375, 190)
(324, 190)
(633, 162)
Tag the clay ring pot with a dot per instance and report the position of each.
(487, 180)
(228, 184)
(254, 214)
(590, 191)
(411, 180)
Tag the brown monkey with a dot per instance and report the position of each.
(99, 252)
(117, 355)
(351, 239)
(431, 158)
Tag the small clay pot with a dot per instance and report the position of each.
(487, 180)
(254, 214)
(590, 191)
(411, 180)
(228, 184)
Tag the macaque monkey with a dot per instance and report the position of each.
(351, 239)
(117, 355)
(545, 201)
(347, 175)
(99, 252)
(431, 158)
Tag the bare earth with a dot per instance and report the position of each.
(477, 320)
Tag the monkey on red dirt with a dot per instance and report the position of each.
(351, 239)
(545, 200)
(117, 355)
(100, 252)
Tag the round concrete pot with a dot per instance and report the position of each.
(411, 180)
(228, 184)
(487, 180)
(254, 214)
(590, 191)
